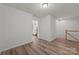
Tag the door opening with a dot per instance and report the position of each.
(35, 28)
(35, 32)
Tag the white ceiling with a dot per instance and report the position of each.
(55, 9)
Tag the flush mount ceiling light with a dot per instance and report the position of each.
(45, 5)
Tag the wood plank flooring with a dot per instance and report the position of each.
(42, 47)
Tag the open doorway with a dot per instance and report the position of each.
(35, 31)
(35, 28)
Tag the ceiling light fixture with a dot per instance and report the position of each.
(45, 5)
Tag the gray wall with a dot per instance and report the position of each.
(53, 28)
(15, 27)
(67, 24)
(44, 28)
(47, 28)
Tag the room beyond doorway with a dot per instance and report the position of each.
(35, 28)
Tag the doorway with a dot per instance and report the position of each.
(35, 32)
(35, 28)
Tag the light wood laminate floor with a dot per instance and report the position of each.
(43, 47)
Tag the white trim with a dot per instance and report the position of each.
(15, 46)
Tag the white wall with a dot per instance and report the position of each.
(1, 22)
(47, 28)
(53, 28)
(50, 28)
(44, 28)
(15, 27)
(69, 24)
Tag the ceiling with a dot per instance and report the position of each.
(55, 9)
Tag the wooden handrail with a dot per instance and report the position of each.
(72, 36)
(66, 32)
(72, 30)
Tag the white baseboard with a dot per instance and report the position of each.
(15, 46)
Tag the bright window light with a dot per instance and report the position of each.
(45, 5)
(60, 19)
